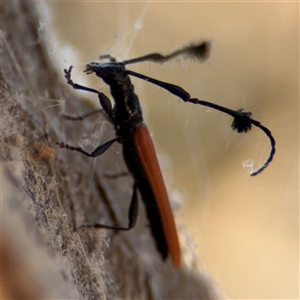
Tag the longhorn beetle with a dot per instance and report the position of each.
(138, 149)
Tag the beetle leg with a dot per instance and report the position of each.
(103, 99)
(116, 175)
(81, 116)
(132, 214)
(98, 151)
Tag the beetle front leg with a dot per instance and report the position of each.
(103, 99)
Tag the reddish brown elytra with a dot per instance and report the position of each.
(146, 153)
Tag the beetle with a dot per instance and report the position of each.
(138, 149)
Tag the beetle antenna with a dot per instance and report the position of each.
(242, 121)
(199, 51)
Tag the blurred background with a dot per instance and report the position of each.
(245, 229)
